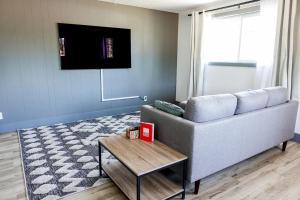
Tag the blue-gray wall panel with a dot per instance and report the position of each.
(33, 89)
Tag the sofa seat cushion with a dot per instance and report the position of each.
(169, 108)
(207, 108)
(277, 95)
(248, 101)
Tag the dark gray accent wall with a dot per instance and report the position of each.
(33, 89)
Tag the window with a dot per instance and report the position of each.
(233, 39)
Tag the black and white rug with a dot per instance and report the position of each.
(62, 159)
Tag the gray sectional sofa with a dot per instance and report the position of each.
(218, 131)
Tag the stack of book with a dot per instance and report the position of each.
(147, 131)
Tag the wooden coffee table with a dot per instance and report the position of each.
(135, 170)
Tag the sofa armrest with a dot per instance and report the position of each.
(171, 130)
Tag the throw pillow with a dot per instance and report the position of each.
(169, 108)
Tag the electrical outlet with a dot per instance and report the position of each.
(1, 115)
(145, 98)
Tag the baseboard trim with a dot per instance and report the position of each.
(296, 138)
(9, 127)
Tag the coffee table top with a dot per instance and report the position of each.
(141, 157)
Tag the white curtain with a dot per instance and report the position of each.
(266, 50)
(296, 70)
(197, 59)
(284, 49)
(275, 64)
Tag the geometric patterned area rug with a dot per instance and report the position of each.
(62, 159)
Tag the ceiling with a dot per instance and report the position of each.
(164, 5)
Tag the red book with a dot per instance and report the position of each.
(147, 131)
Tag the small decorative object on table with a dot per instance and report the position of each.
(147, 131)
(133, 132)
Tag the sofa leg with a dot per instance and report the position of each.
(284, 146)
(197, 184)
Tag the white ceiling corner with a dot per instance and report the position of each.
(175, 6)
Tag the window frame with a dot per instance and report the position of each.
(233, 64)
(238, 63)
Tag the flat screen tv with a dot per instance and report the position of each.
(91, 47)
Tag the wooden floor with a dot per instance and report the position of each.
(272, 175)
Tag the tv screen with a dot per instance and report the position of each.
(91, 47)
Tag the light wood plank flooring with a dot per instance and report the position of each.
(271, 175)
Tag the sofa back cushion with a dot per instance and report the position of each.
(207, 108)
(248, 101)
(277, 95)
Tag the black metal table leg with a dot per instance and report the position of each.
(184, 171)
(138, 188)
(100, 159)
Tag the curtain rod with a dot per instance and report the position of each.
(238, 4)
